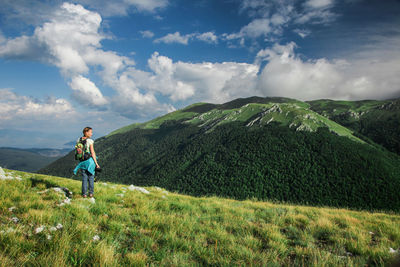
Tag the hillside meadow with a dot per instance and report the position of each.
(136, 226)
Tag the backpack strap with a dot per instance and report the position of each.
(83, 141)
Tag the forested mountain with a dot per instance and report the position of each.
(268, 148)
(377, 120)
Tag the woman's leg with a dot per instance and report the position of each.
(84, 182)
(91, 183)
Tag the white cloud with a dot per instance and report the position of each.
(147, 34)
(131, 103)
(111, 63)
(147, 5)
(315, 17)
(302, 32)
(70, 40)
(174, 38)
(165, 69)
(62, 41)
(86, 92)
(50, 122)
(269, 19)
(2, 38)
(213, 82)
(318, 3)
(286, 74)
(256, 28)
(16, 107)
(208, 37)
(22, 47)
(36, 12)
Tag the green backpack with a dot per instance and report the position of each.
(80, 150)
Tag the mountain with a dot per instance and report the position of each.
(70, 144)
(255, 110)
(379, 121)
(134, 226)
(270, 148)
(29, 159)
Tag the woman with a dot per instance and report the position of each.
(87, 166)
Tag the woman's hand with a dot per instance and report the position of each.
(97, 165)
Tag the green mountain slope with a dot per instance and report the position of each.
(379, 121)
(162, 228)
(268, 148)
(256, 110)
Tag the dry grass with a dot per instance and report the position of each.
(169, 229)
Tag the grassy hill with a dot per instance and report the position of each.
(124, 227)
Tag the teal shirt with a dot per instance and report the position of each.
(88, 164)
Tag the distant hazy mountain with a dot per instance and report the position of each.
(268, 148)
(29, 159)
(70, 144)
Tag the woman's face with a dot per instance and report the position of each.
(89, 133)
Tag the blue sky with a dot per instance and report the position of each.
(107, 64)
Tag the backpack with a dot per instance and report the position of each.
(80, 150)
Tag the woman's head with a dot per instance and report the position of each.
(87, 131)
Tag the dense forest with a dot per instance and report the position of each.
(379, 121)
(268, 162)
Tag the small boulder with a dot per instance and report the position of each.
(138, 188)
(39, 229)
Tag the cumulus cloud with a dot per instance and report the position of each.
(132, 103)
(36, 12)
(208, 37)
(286, 74)
(71, 40)
(269, 19)
(147, 34)
(213, 82)
(276, 71)
(254, 29)
(86, 92)
(318, 3)
(2, 38)
(175, 37)
(302, 32)
(62, 41)
(30, 122)
(146, 5)
(17, 107)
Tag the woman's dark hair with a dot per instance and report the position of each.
(86, 129)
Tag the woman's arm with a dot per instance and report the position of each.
(93, 154)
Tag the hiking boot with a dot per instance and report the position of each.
(90, 195)
(85, 196)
